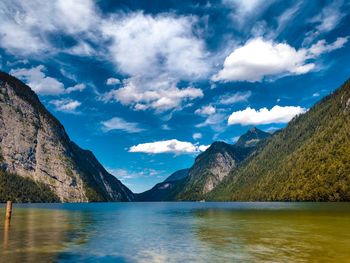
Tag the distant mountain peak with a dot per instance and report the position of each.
(252, 137)
(254, 129)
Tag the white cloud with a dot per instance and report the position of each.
(38, 81)
(81, 49)
(205, 110)
(152, 45)
(197, 136)
(168, 146)
(165, 127)
(112, 81)
(327, 20)
(66, 105)
(230, 99)
(156, 52)
(246, 11)
(159, 95)
(117, 123)
(203, 148)
(124, 174)
(215, 121)
(44, 85)
(277, 114)
(260, 58)
(26, 25)
(77, 87)
(322, 47)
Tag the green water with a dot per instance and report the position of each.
(177, 232)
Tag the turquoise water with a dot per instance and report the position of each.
(177, 232)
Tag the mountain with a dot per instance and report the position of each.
(178, 175)
(309, 160)
(252, 137)
(35, 146)
(166, 190)
(214, 164)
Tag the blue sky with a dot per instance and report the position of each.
(148, 85)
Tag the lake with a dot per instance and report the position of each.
(177, 232)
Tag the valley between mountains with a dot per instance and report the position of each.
(308, 160)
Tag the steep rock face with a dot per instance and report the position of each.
(214, 165)
(211, 167)
(34, 144)
(309, 160)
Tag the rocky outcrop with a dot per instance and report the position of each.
(252, 137)
(215, 164)
(34, 144)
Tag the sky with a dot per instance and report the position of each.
(148, 85)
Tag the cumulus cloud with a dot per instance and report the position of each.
(168, 146)
(38, 81)
(277, 114)
(65, 105)
(117, 123)
(205, 110)
(259, 58)
(27, 25)
(44, 85)
(163, 43)
(197, 136)
(156, 52)
(229, 99)
(112, 81)
(159, 95)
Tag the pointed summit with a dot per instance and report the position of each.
(252, 137)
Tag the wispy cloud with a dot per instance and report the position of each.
(124, 174)
(229, 99)
(42, 84)
(327, 20)
(117, 123)
(205, 110)
(66, 105)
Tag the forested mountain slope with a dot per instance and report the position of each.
(309, 160)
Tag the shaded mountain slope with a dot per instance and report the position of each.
(214, 164)
(33, 144)
(309, 160)
(166, 190)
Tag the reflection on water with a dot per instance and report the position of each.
(177, 232)
(279, 236)
(38, 235)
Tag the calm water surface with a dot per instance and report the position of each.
(177, 232)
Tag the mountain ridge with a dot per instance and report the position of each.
(309, 160)
(34, 145)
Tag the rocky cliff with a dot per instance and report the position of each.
(34, 144)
